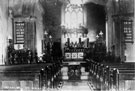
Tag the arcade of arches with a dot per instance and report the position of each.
(82, 39)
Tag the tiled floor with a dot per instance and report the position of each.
(75, 86)
(75, 83)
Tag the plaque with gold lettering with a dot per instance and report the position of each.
(128, 31)
(19, 33)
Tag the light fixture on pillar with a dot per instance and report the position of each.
(100, 37)
(45, 33)
(97, 36)
(50, 36)
(45, 36)
(9, 39)
(101, 33)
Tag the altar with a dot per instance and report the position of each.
(74, 54)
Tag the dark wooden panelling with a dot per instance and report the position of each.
(30, 35)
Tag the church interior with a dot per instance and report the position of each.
(67, 45)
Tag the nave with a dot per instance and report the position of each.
(89, 76)
(58, 45)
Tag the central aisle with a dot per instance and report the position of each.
(75, 78)
(75, 86)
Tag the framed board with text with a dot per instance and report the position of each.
(19, 32)
(128, 31)
(19, 29)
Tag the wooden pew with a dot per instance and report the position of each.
(120, 73)
(36, 73)
(113, 74)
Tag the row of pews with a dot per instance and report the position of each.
(50, 77)
(112, 76)
(33, 77)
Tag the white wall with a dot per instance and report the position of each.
(130, 51)
(3, 30)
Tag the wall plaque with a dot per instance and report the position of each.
(128, 31)
(19, 32)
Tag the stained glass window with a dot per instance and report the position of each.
(73, 16)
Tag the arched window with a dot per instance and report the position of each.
(80, 18)
(67, 19)
(73, 20)
(73, 16)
